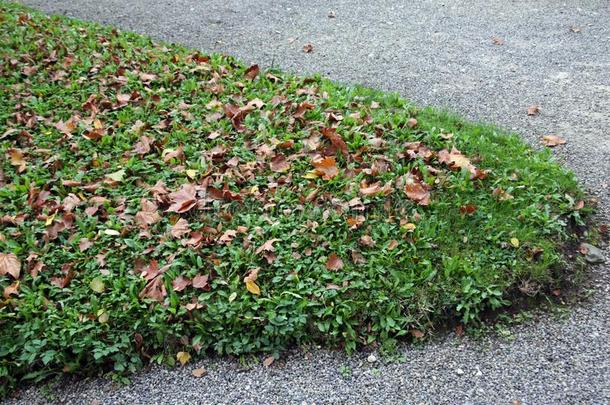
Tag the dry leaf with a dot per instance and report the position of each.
(552, 140)
(334, 262)
(308, 48)
(199, 372)
(183, 357)
(533, 110)
(9, 264)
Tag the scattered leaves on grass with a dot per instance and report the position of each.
(334, 262)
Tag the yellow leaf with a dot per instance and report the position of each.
(116, 176)
(253, 287)
(103, 316)
(191, 173)
(409, 227)
(514, 242)
(311, 175)
(183, 357)
(50, 219)
(111, 232)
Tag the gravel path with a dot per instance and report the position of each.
(437, 52)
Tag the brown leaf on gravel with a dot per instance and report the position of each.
(497, 41)
(552, 140)
(180, 228)
(251, 72)
(10, 264)
(279, 164)
(148, 214)
(308, 47)
(326, 167)
(533, 110)
(268, 361)
(184, 199)
(180, 283)
(334, 262)
(199, 372)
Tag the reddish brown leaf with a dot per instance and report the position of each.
(308, 48)
(335, 139)
(334, 262)
(355, 222)
(417, 191)
(184, 199)
(497, 41)
(533, 110)
(455, 160)
(227, 237)
(267, 246)
(155, 289)
(279, 164)
(142, 147)
(251, 72)
(180, 283)
(468, 209)
(10, 264)
(12, 289)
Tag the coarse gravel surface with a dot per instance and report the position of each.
(555, 54)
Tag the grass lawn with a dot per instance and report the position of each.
(156, 200)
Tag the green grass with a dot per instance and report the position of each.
(345, 269)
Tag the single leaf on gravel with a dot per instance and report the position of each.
(198, 372)
(268, 361)
(9, 264)
(334, 262)
(533, 110)
(180, 283)
(308, 48)
(497, 41)
(184, 199)
(183, 357)
(326, 167)
(552, 140)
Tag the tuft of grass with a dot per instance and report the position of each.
(276, 243)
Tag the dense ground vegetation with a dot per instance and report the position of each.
(157, 200)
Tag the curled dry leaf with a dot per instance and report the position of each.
(268, 361)
(201, 281)
(308, 47)
(180, 283)
(455, 160)
(334, 262)
(17, 159)
(417, 190)
(468, 209)
(552, 140)
(12, 289)
(199, 372)
(533, 110)
(10, 264)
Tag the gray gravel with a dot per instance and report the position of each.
(433, 52)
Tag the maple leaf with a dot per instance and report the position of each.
(326, 167)
(180, 283)
(334, 262)
(251, 72)
(9, 264)
(184, 199)
(180, 228)
(148, 215)
(552, 140)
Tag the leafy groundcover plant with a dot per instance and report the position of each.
(156, 200)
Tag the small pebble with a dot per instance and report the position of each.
(459, 371)
(372, 358)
